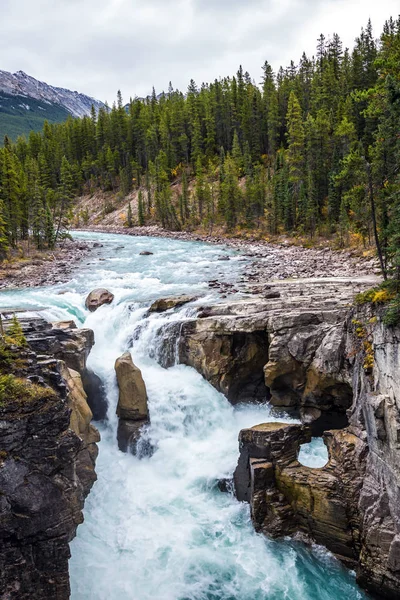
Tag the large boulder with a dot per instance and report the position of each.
(164, 304)
(132, 408)
(132, 402)
(97, 298)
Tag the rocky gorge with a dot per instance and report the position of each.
(337, 368)
(326, 368)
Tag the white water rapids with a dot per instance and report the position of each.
(158, 527)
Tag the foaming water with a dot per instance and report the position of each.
(159, 528)
(314, 454)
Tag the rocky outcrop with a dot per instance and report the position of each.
(47, 454)
(72, 345)
(97, 298)
(164, 304)
(352, 504)
(232, 361)
(288, 348)
(287, 497)
(64, 341)
(132, 408)
(80, 423)
(338, 369)
(375, 417)
(96, 394)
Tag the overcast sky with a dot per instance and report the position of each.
(99, 46)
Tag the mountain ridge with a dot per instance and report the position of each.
(21, 84)
(26, 103)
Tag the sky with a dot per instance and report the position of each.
(100, 46)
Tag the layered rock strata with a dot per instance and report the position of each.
(47, 456)
(287, 497)
(288, 349)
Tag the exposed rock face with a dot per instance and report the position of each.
(47, 454)
(287, 497)
(80, 423)
(132, 408)
(352, 505)
(73, 344)
(231, 361)
(375, 415)
(164, 304)
(96, 394)
(279, 348)
(314, 355)
(97, 298)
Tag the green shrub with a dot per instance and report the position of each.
(14, 334)
(365, 297)
(108, 208)
(14, 389)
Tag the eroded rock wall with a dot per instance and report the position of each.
(47, 457)
(375, 417)
(352, 505)
(289, 349)
(338, 368)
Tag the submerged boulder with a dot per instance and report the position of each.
(129, 434)
(97, 298)
(164, 304)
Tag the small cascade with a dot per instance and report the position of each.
(159, 335)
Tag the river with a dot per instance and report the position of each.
(158, 527)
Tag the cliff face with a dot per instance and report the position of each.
(375, 418)
(288, 348)
(339, 370)
(47, 455)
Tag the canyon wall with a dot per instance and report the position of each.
(47, 458)
(337, 368)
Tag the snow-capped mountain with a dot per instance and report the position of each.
(21, 84)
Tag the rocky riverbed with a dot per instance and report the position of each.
(268, 261)
(44, 268)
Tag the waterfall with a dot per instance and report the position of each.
(158, 527)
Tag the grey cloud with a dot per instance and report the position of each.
(99, 46)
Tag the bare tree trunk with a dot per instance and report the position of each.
(373, 213)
